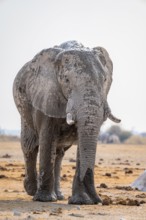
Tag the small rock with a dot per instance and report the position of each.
(116, 177)
(118, 158)
(99, 204)
(127, 188)
(72, 160)
(29, 217)
(59, 210)
(101, 159)
(36, 212)
(129, 202)
(56, 211)
(6, 156)
(16, 213)
(128, 171)
(108, 174)
(64, 178)
(132, 202)
(106, 200)
(6, 190)
(78, 208)
(15, 191)
(10, 165)
(125, 163)
(142, 202)
(2, 176)
(76, 215)
(121, 202)
(3, 168)
(103, 185)
(143, 195)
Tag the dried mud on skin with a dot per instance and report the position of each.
(112, 177)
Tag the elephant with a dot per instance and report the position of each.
(140, 182)
(61, 95)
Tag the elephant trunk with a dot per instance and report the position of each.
(88, 129)
(87, 152)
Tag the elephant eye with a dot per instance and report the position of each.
(104, 77)
(66, 60)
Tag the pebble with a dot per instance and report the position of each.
(78, 208)
(76, 215)
(16, 213)
(103, 185)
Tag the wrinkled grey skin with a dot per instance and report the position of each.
(61, 95)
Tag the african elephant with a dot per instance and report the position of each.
(61, 95)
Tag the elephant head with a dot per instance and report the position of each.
(74, 84)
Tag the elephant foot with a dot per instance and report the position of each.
(45, 196)
(30, 186)
(60, 196)
(96, 199)
(80, 199)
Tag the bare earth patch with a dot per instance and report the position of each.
(117, 166)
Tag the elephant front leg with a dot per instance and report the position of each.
(30, 181)
(30, 150)
(46, 191)
(83, 192)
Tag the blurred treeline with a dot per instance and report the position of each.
(115, 134)
(4, 136)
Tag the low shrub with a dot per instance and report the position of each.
(136, 139)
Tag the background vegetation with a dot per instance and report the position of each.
(113, 135)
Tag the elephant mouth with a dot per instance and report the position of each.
(70, 118)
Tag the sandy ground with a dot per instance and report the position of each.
(117, 166)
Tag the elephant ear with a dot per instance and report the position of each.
(102, 55)
(44, 90)
(104, 58)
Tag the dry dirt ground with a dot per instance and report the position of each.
(117, 166)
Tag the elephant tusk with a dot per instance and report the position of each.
(113, 118)
(109, 115)
(69, 119)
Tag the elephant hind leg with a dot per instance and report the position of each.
(58, 161)
(59, 157)
(29, 144)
